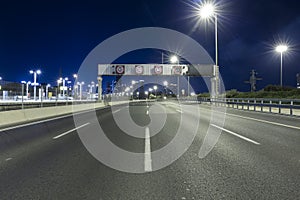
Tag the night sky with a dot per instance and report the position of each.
(56, 36)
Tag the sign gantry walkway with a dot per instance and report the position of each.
(211, 71)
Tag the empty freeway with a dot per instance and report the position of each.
(257, 156)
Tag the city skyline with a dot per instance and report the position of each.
(56, 36)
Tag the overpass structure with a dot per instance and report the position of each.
(203, 70)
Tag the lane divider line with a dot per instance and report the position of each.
(235, 134)
(70, 131)
(148, 160)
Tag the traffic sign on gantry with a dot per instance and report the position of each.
(156, 69)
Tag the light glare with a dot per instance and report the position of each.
(281, 48)
(207, 10)
(174, 59)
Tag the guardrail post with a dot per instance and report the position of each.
(279, 108)
(248, 107)
(255, 105)
(262, 106)
(291, 108)
(270, 108)
(243, 104)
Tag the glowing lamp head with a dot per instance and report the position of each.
(207, 10)
(31, 72)
(281, 48)
(155, 87)
(38, 71)
(174, 59)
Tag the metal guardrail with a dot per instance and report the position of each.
(279, 106)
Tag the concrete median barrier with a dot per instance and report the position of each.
(27, 115)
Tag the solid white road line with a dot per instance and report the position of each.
(265, 121)
(8, 159)
(259, 120)
(47, 120)
(148, 160)
(116, 111)
(235, 134)
(34, 123)
(70, 131)
(179, 111)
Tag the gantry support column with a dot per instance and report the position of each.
(100, 88)
(215, 83)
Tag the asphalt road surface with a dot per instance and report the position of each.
(256, 157)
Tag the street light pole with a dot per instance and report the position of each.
(281, 63)
(207, 11)
(216, 37)
(23, 82)
(34, 82)
(64, 84)
(47, 90)
(281, 49)
(35, 73)
(80, 89)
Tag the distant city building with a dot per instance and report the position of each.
(298, 80)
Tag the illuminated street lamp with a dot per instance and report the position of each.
(80, 89)
(47, 91)
(207, 11)
(35, 73)
(91, 86)
(63, 80)
(281, 49)
(27, 86)
(174, 59)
